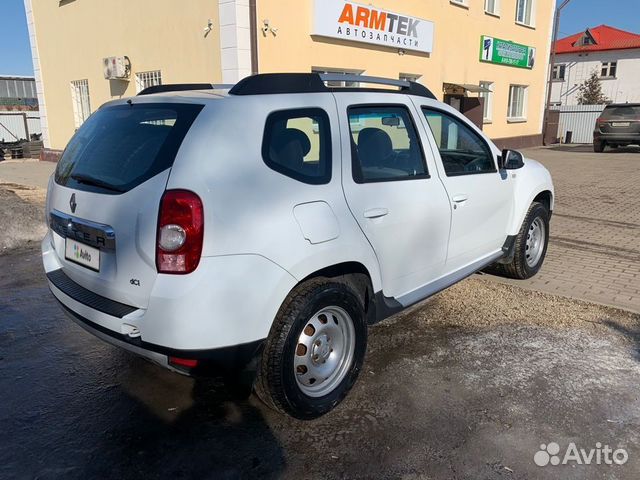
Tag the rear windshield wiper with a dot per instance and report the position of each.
(96, 182)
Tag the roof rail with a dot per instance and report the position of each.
(181, 87)
(273, 83)
(351, 77)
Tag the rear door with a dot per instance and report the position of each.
(105, 194)
(387, 179)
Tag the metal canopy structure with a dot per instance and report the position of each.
(468, 87)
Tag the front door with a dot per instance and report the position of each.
(479, 194)
(393, 191)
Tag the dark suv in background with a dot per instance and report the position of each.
(618, 125)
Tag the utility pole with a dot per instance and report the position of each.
(552, 62)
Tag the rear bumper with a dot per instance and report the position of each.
(214, 315)
(225, 359)
(628, 138)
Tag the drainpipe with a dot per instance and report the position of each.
(556, 27)
(253, 29)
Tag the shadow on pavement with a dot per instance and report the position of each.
(75, 407)
(632, 333)
(588, 148)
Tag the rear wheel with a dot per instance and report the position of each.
(315, 350)
(598, 146)
(530, 247)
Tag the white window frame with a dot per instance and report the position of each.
(461, 3)
(487, 113)
(148, 79)
(496, 8)
(81, 101)
(521, 115)
(528, 4)
(555, 72)
(338, 71)
(608, 66)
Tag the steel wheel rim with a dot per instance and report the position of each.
(535, 242)
(324, 352)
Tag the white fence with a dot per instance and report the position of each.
(580, 120)
(16, 126)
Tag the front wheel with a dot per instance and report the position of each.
(530, 246)
(315, 350)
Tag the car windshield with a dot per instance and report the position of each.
(626, 111)
(119, 147)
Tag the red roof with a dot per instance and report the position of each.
(606, 38)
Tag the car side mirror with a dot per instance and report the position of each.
(511, 160)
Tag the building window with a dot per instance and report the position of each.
(609, 69)
(586, 39)
(409, 77)
(81, 102)
(525, 12)
(488, 101)
(558, 72)
(346, 84)
(463, 3)
(517, 103)
(148, 79)
(492, 7)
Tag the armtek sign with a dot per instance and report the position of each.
(364, 23)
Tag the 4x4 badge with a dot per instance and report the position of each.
(72, 203)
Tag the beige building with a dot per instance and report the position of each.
(486, 57)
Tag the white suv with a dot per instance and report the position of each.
(263, 228)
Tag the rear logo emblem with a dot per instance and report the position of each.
(72, 203)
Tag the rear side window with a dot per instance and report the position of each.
(122, 146)
(384, 144)
(631, 111)
(297, 143)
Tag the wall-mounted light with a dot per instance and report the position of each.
(401, 52)
(266, 28)
(208, 28)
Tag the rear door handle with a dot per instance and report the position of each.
(376, 212)
(460, 198)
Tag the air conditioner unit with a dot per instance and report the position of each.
(116, 68)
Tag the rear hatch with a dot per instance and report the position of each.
(620, 119)
(105, 195)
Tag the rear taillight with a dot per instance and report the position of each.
(180, 232)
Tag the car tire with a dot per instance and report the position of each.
(528, 255)
(314, 351)
(598, 147)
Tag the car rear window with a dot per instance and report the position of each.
(119, 147)
(621, 111)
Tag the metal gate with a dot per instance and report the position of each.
(15, 126)
(580, 120)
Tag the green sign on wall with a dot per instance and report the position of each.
(503, 52)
